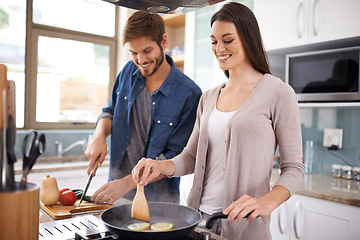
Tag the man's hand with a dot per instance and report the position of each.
(97, 148)
(112, 191)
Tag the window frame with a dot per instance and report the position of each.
(33, 32)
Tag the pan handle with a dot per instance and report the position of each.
(212, 218)
(215, 216)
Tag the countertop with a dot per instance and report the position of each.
(327, 187)
(314, 185)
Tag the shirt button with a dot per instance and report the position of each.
(117, 93)
(170, 124)
(129, 103)
(159, 121)
(141, 86)
(125, 97)
(202, 167)
(153, 103)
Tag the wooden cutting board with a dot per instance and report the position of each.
(59, 211)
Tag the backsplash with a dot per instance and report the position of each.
(67, 137)
(313, 122)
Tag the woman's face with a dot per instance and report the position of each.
(226, 45)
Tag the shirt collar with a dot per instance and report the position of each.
(165, 88)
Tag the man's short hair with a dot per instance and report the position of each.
(144, 24)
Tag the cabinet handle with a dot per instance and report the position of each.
(300, 24)
(298, 230)
(282, 224)
(316, 17)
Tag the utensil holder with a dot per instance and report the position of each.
(19, 218)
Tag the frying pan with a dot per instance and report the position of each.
(184, 220)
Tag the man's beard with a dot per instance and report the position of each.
(158, 61)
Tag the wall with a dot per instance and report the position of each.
(67, 137)
(313, 122)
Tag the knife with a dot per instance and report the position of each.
(11, 134)
(90, 178)
(3, 126)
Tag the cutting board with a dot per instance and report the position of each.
(59, 211)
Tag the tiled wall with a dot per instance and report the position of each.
(315, 119)
(67, 137)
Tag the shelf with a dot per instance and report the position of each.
(174, 20)
(178, 60)
(330, 104)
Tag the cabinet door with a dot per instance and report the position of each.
(333, 19)
(323, 219)
(280, 224)
(282, 23)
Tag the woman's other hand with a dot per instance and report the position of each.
(256, 207)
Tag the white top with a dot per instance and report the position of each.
(213, 192)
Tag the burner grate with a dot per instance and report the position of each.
(65, 229)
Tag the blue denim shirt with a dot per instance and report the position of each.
(173, 114)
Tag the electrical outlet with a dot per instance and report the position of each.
(333, 136)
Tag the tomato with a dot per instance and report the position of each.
(63, 190)
(68, 198)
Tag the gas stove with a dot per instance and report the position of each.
(91, 227)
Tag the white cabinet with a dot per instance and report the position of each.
(293, 23)
(310, 218)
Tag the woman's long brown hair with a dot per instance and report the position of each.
(248, 31)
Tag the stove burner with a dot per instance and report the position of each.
(90, 227)
(97, 236)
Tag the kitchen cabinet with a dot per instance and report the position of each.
(294, 23)
(308, 218)
(175, 30)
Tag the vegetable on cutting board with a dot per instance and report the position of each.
(68, 198)
(49, 194)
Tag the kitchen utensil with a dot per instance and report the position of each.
(4, 152)
(31, 150)
(59, 211)
(164, 6)
(19, 218)
(184, 220)
(11, 135)
(140, 208)
(93, 172)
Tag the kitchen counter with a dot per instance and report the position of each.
(49, 164)
(327, 187)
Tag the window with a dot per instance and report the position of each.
(70, 60)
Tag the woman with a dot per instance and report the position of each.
(238, 128)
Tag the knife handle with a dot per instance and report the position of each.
(93, 172)
(3, 86)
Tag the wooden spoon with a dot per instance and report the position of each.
(140, 208)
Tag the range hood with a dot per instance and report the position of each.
(164, 6)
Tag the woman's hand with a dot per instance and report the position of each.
(256, 207)
(246, 205)
(148, 170)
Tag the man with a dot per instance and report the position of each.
(151, 113)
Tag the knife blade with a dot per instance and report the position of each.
(93, 172)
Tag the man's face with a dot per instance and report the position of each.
(146, 54)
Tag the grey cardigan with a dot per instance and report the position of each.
(269, 117)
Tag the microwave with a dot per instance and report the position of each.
(325, 76)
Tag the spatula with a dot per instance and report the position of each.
(140, 208)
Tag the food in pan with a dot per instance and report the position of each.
(155, 227)
(161, 226)
(139, 226)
